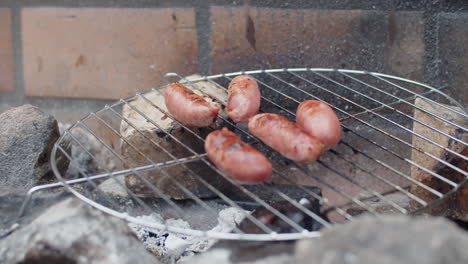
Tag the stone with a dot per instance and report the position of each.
(148, 150)
(27, 135)
(72, 232)
(40, 201)
(111, 187)
(387, 240)
(455, 207)
(89, 156)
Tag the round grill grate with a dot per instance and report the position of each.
(398, 143)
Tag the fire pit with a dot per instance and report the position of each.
(383, 164)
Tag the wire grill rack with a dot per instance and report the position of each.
(372, 163)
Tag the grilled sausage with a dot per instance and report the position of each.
(243, 98)
(237, 159)
(286, 137)
(188, 107)
(320, 121)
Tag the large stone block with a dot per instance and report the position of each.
(456, 206)
(27, 136)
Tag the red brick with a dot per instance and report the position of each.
(7, 68)
(453, 50)
(368, 40)
(105, 53)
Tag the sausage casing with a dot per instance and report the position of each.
(286, 137)
(188, 107)
(320, 121)
(243, 98)
(237, 159)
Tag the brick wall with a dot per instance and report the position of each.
(7, 68)
(72, 56)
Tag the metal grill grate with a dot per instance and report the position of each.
(372, 163)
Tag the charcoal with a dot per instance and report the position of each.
(268, 193)
(278, 225)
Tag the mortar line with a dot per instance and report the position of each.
(19, 94)
(431, 46)
(376, 5)
(203, 25)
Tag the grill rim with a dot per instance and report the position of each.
(237, 236)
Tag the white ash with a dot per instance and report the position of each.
(170, 247)
(222, 255)
(228, 218)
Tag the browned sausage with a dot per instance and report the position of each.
(236, 158)
(188, 107)
(286, 137)
(320, 121)
(243, 98)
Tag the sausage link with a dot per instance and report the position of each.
(320, 121)
(188, 107)
(286, 137)
(237, 159)
(243, 98)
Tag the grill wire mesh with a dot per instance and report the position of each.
(371, 165)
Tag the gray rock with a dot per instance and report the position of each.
(83, 145)
(40, 201)
(111, 187)
(72, 232)
(27, 135)
(456, 206)
(390, 239)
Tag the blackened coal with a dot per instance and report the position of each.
(296, 215)
(158, 239)
(269, 193)
(160, 133)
